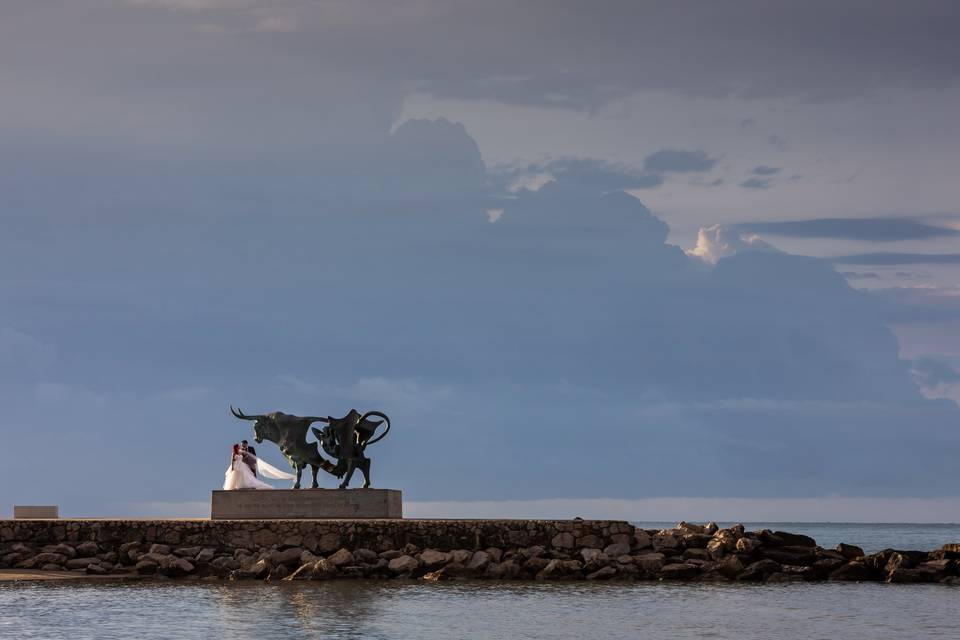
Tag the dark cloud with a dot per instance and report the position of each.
(868, 229)
(755, 183)
(765, 170)
(679, 161)
(777, 141)
(891, 258)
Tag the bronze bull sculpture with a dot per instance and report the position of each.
(344, 439)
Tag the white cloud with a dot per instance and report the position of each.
(720, 241)
(403, 393)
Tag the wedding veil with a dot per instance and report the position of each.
(270, 471)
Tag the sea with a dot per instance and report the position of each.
(77, 610)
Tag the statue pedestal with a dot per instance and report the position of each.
(305, 504)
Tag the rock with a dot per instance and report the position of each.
(910, 576)
(479, 561)
(711, 528)
(368, 556)
(759, 570)
(617, 549)
(562, 540)
(462, 556)
(729, 567)
(322, 569)
(666, 540)
(650, 563)
(849, 551)
(589, 555)
(279, 572)
(899, 560)
(259, 570)
(301, 573)
(687, 527)
(682, 571)
(790, 555)
(391, 554)
(204, 556)
(737, 530)
(535, 565)
(187, 552)
(341, 558)
(603, 573)
(146, 567)
(853, 571)
(780, 577)
(528, 552)
(696, 540)
(502, 570)
(87, 549)
(287, 557)
(49, 558)
(807, 573)
(642, 539)
(51, 567)
(225, 564)
(176, 567)
(80, 563)
(558, 568)
(433, 559)
(823, 567)
(62, 549)
(697, 554)
(784, 539)
(747, 545)
(156, 549)
(407, 564)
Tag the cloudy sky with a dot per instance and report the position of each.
(588, 256)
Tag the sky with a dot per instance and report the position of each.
(609, 258)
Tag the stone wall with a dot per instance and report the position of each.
(441, 549)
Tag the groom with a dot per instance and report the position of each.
(249, 455)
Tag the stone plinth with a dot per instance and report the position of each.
(28, 512)
(287, 504)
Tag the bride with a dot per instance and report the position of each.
(241, 475)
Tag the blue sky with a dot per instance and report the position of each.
(586, 254)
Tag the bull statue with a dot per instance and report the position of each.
(346, 439)
(343, 438)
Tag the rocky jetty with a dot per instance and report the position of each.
(453, 549)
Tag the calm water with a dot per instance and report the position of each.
(474, 609)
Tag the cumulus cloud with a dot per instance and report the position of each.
(937, 378)
(720, 241)
(755, 183)
(765, 170)
(867, 229)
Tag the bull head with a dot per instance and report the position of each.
(260, 423)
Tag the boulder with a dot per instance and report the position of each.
(97, 570)
(853, 571)
(187, 552)
(406, 564)
(790, 555)
(784, 539)
(697, 554)
(823, 567)
(462, 556)
(80, 563)
(603, 573)
(146, 567)
(696, 540)
(287, 557)
(479, 561)
(204, 556)
(711, 528)
(156, 549)
(589, 554)
(535, 565)
(51, 567)
(62, 549)
(642, 539)
(368, 556)
(175, 567)
(391, 554)
(910, 576)
(49, 558)
(433, 559)
(87, 549)
(759, 570)
(650, 563)
(687, 527)
(557, 568)
(780, 577)
(747, 545)
(682, 571)
(617, 549)
(666, 540)
(503, 570)
(729, 567)
(323, 569)
(849, 551)
(562, 540)
(341, 558)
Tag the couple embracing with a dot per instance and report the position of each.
(244, 468)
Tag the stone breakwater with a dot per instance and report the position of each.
(445, 549)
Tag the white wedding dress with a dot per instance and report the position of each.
(239, 475)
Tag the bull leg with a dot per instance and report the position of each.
(313, 469)
(351, 465)
(365, 468)
(299, 467)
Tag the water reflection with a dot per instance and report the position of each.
(388, 610)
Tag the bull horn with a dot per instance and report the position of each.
(379, 415)
(240, 414)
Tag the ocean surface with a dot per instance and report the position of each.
(78, 610)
